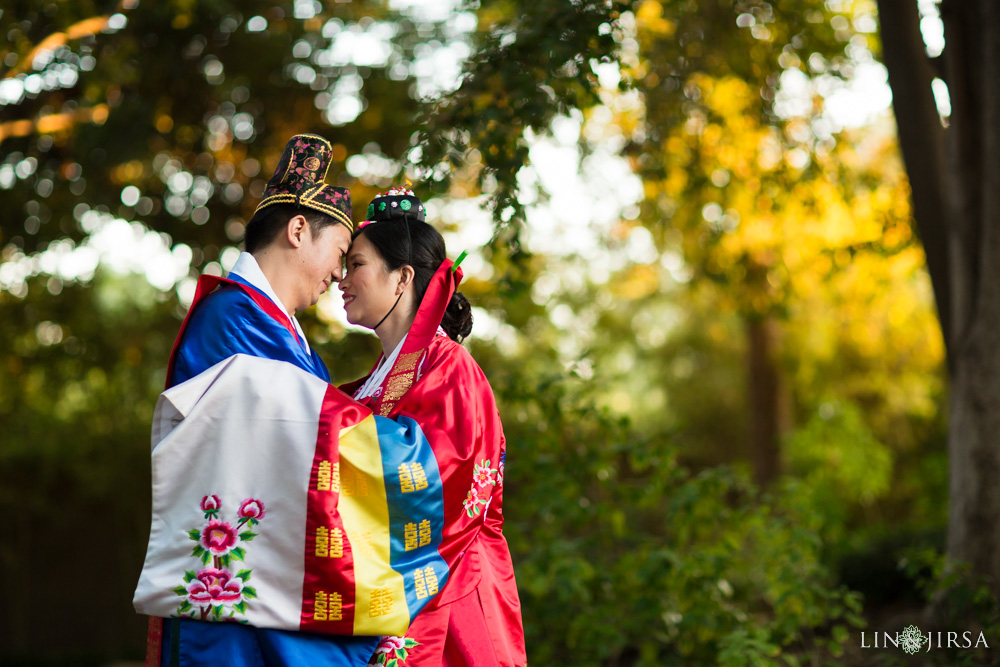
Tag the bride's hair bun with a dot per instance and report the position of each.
(457, 320)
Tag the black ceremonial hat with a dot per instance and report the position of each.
(299, 177)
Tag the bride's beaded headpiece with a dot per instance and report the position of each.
(396, 204)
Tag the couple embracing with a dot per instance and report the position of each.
(297, 523)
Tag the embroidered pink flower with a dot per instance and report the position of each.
(483, 473)
(393, 651)
(212, 587)
(251, 508)
(210, 505)
(472, 502)
(218, 537)
(390, 644)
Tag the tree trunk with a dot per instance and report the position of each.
(768, 399)
(961, 237)
(974, 427)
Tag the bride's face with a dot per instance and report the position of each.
(369, 289)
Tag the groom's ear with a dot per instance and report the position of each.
(295, 230)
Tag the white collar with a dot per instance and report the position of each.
(248, 269)
(380, 373)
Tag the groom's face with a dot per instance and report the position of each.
(322, 259)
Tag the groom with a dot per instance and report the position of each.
(295, 245)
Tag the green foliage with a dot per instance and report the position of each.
(626, 554)
(839, 462)
(188, 87)
(958, 600)
(632, 543)
(532, 61)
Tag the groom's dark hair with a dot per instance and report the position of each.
(264, 227)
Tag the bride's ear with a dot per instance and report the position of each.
(405, 278)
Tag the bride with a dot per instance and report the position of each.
(399, 283)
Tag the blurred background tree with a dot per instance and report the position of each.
(699, 295)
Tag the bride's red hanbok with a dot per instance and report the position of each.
(476, 618)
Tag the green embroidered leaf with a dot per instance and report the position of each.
(244, 575)
(189, 575)
(241, 607)
(254, 522)
(205, 556)
(247, 536)
(180, 590)
(238, 553)
(401, 653)
(249, 592)
(184, 607)
(194, 535)
(391, 663)
(224, 560)
(217, 611)
(410, 643)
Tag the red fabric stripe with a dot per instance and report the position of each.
(326, 574)
(154, 642)
(206, 285)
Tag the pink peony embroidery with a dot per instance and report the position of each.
(212, 586)
(218, 537)
(251, 508)
(210, 505)
(390, 643)
(472, 502)
(483, 473)
(393, 651)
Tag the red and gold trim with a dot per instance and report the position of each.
(425, 325)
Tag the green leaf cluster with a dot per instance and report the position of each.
(627, 554)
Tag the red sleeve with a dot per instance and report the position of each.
(454, 405)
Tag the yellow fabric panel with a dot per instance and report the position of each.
(380, 594)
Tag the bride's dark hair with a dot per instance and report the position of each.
(423, 249)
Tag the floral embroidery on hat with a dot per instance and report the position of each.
(299, 179)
